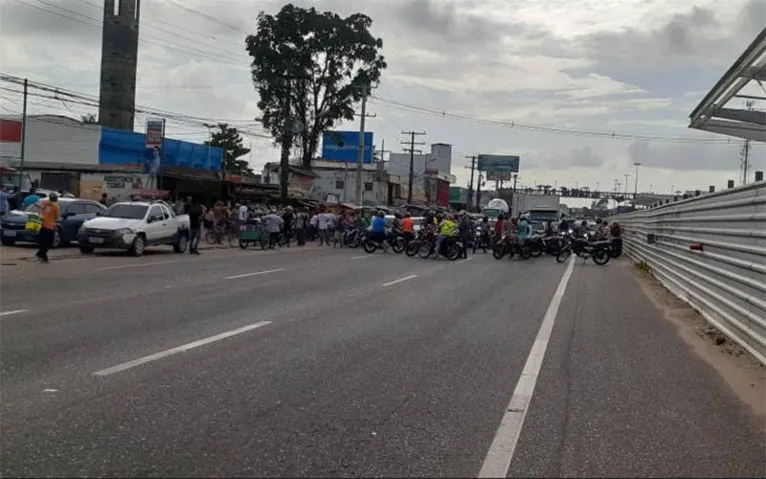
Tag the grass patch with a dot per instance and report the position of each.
(643, 266)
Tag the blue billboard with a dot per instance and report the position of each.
(344, 146)
(123, 147)
(499, 163)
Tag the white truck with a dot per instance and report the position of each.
(540, 208)
(494, 208)
(134, 225)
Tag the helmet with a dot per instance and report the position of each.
(486, 218)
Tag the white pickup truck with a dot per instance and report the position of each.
(133, 226)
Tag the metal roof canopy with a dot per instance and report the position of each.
(712, 114)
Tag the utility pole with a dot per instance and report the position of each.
(626, 175)
(360, 152)
(470, 183)
(412, 151)
(635, 187)
(284, 161)
(23, 134)
(744, 153)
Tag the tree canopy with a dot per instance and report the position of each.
(309, 69)
(229, 139)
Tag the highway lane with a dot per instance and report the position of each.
(379, 365)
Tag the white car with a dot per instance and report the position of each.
(133, 226)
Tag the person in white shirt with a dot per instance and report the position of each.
(242, 213)
(324, 223)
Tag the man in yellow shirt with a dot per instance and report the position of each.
(447, 229)
(49, 211)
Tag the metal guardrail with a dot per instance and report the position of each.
(710, 251)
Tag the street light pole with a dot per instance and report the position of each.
(635, 188)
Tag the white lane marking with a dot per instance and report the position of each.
(16, 311)
(135, 265)
(257, 273)
(361, 257)
(465, 260)
(406, 278)
(179, 349)
(503, 446)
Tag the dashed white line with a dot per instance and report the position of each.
(257, 273)
(406, 278)
(124, 266)
(179, 349)
(16, 311)
(501, 451)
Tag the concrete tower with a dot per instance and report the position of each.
(119, 59)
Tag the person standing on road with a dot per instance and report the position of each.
(195, 227)
(273, 226)
(407, 227)
(301, 223)
(289, 223)
(465, 233)
(324, 222)
(50, 212)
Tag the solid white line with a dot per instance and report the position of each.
(406, 278)
(179, 349)
(362, 257)
(501, 451)
(135, 265)
(257, 273)
(16, 311)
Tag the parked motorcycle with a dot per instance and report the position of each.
(582, 248)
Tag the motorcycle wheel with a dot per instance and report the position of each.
(369, 246)
(536, 251)
(525, 252)
(244, 244)
(425, 250)
(601, 257)
(398, 245)
(498, 251)
(412, 248)
(563, 255)
(453, 252)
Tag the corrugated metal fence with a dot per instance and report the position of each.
(725, 279)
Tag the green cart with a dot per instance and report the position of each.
(253, 233)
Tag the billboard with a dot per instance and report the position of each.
(155, 132)
(495, 175)
(499, 163)
(344, 146)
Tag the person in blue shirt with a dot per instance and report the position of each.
(30, 199)
(378, 228)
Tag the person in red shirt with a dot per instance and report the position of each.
(499, 225)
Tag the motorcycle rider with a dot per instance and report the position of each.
(447, 229)
(564, 224)
(485, 228)
(378, 229)
(407, 227)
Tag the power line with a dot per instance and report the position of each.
(217, 56)
(552, 130)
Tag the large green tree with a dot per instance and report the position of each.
(228, 138)
(309, 69)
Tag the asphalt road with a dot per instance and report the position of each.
(322, 362)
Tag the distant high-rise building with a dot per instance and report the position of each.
(119, 59)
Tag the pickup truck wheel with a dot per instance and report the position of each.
(182, 243)
(8, 242)
(87, 249)
(138, 246)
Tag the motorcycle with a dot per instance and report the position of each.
(582, 248)
(451, 248)
(509, 245)
(481, 239)
(395, 241)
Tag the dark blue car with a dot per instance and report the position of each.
(74, 212)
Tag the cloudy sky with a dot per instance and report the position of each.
(492, 68)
